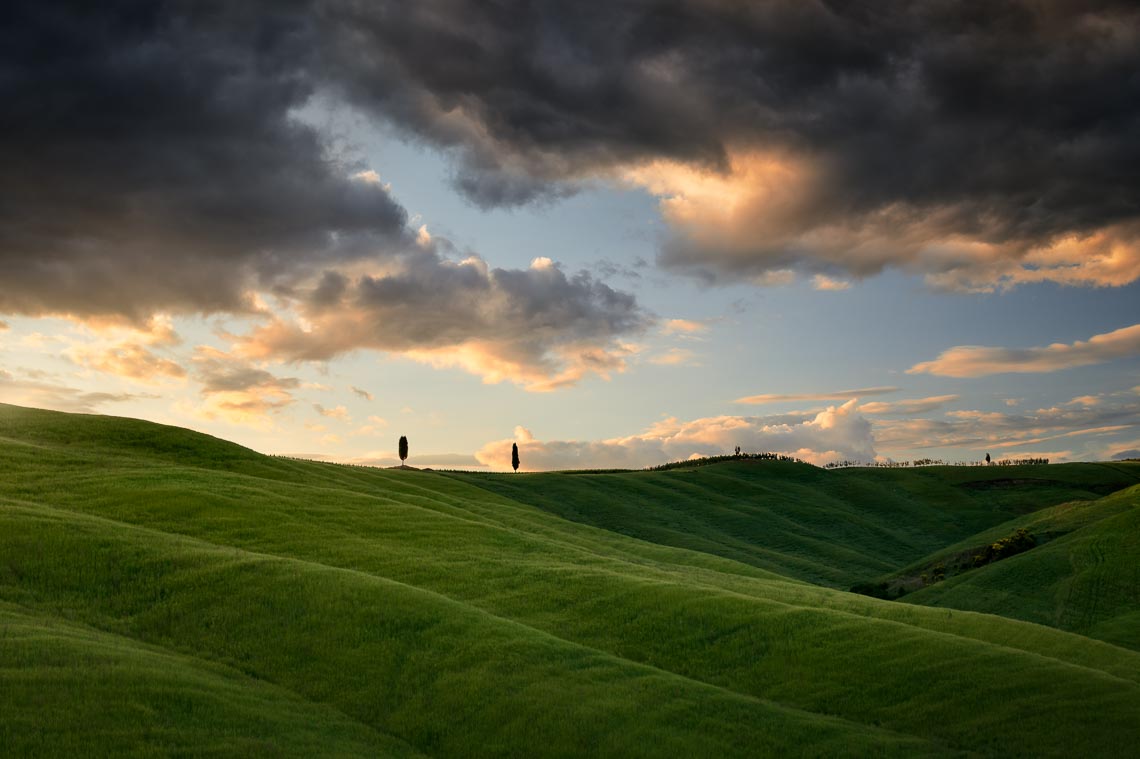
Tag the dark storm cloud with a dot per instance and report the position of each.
(1027, 104)
(1011, 124)
(149, 160)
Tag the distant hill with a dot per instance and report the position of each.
(162, 592)
(834, 527)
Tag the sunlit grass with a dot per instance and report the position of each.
(438, 615)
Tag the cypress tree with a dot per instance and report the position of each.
(403, 449)
(515, 456)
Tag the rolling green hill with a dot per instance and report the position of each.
(1084, 577)
(73, 690)
(837, 527)
(218, 601)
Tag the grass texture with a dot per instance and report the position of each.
(164, 592)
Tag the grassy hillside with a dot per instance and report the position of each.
(1085, 577)
(836, 527)
(73, 690)
(438, 617)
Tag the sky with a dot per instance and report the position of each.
(616, 234)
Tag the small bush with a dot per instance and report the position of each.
(1011, 545)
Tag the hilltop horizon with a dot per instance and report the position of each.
(446, 461)
(618, 235)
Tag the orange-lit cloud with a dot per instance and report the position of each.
(497, 362)
(675, 357)
(375, 425)
(979, 361)
(833, 396)
(339, 413)
(976, 431)
(910, 406)
(124, 349)
(236, 391)
(837, 432)
(768, 214)
(536, 327)
(30, 390)
(1085, 400)
(125, 360)
(829, 284)
(683, 327)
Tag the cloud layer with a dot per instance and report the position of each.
(837, 395)
(981, 145)
(44, 393)
(980, 361)
(152, 159)
(537, 326)
(838, 432)
(980, 431)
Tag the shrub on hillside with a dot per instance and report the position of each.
(1010, 545)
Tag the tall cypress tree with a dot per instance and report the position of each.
(403, 449)
(515, 456)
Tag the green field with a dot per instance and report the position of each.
(1085, 574)
(164, 592)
